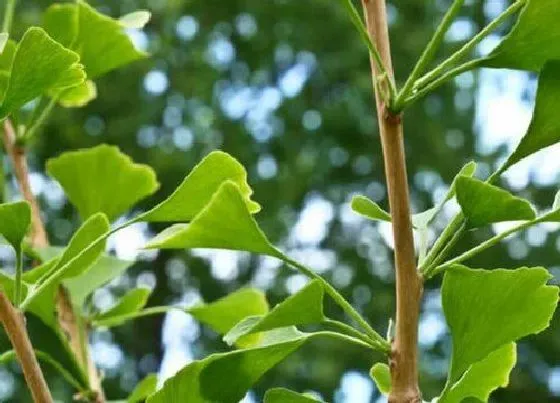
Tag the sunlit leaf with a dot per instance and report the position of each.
(4, 38)
(235, 373)
(483, 377)
(225, 223)
(544, 130)
(369, 209)
(100, 40)
(102, 179)
(488, 309)
(133, 301)
(40, 65)
(145, 388)
(484, 204)
(532, 41)
(302, 308)
(222, 315)
(137, 19)
(381, 374)
(196, 191)
(281, 395)
(15, 219)
(78, 96)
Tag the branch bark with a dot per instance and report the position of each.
(13, 322)
(65, 312)
(404, 353)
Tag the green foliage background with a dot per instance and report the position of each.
(339, 89)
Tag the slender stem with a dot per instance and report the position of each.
(344, 337)
(470, 45)
(117, 320)
(18, 281)
(404, 354)
(8, 15)
(14, 325)
(339, 299)
(430, 50)
(349, 330)
(40, 120)
(483, 246)
(448, 233)
(470, 65)
(445, 251)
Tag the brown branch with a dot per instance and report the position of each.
(13, 322)
(66, 315)
(404, 354)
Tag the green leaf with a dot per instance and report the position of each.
(303, 308)
(225, 223)
(556, 204)
(281, 395)
(90, 181)
(137, 19)
(145, 388)
(4, 38)
(100, 40)
(79, 96)
(487, 309)
(40, 65)
(133, 301)
(235, 373)
(15, 219)
(369, 209)
(381, 374)
(484, 204)
(532, 41)
(483, 377)
(196, 191)
(223, 314)
(544, 130)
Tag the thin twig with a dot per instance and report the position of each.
(404, 354)
(14, 325)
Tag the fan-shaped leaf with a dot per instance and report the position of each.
(483, 377)
(303, 308)
(133, 301)
(488, 309)
(222, 315)
(40, 65)
(544, 130)
(79, 96)
(145, 388)
(381, 374)
(100, 40)
(484, 204)
(194, 193)
(15, 219)
(137, 19)
(369, 209)
(532, 41)
(225, 223)
(102, 179)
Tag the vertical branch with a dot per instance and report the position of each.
(13, 322)
(66, 315)
(404, 353)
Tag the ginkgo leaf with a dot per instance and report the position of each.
(40, 65)
(100, 40)
(78, 96)
(281, 395)
(7, 55)
(544, 130)
(145, 388)
(484, 204)
(222, 315)
(225, 223)
(381, 374)
(302, 308)
(102, 179)
(483, 377)
(487, 309)
(4, 38)
(137, 19)
(133, 301)
(532, 41)
(369, 209)
(15, 220)
(196, 190)
(235, 373)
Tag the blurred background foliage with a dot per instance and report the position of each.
(285, 87)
